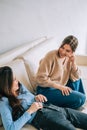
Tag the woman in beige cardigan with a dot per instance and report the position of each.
(58, 76)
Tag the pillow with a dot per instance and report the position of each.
(31, 74)
(33, 56)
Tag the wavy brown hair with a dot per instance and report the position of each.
(6, 81)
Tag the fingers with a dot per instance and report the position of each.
(41, 98)
(70, 55)
(39, 104)
(72, 58)
(66, 91)
(44, 99)
(34, 107)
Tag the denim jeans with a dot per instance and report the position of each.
(74, 100)
(56, 118)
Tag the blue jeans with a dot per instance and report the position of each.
(74, 100)
(53, 117)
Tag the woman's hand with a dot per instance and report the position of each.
(65, 90)
(73, 60)
(34, 107)
(40, 98)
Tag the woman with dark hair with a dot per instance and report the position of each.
(18, 107)
(58, 76)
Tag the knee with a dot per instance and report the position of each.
(81, 100)
(66, 126)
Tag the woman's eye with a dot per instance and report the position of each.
(62, 47)
(68, 51)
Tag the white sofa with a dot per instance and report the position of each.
(24, 61)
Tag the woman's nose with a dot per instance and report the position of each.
(16, 80)
(64, 52)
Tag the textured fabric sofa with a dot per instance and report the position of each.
(24, 61)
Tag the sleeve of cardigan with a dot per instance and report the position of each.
(45, 67)
(75, 75)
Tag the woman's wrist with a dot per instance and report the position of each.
(74, 67)
(29, 111)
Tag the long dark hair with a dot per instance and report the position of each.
(70, 40)
(6, 81)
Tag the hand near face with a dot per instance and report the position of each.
(72, 58)
(73, 61)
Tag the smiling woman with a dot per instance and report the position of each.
(15, 87)
(21, 107)
(65, 50)
(58, 76)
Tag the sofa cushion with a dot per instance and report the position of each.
(81, 60)
(28, 127)
(1, 128)
(34, 55)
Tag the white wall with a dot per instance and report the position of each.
(24, 20)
